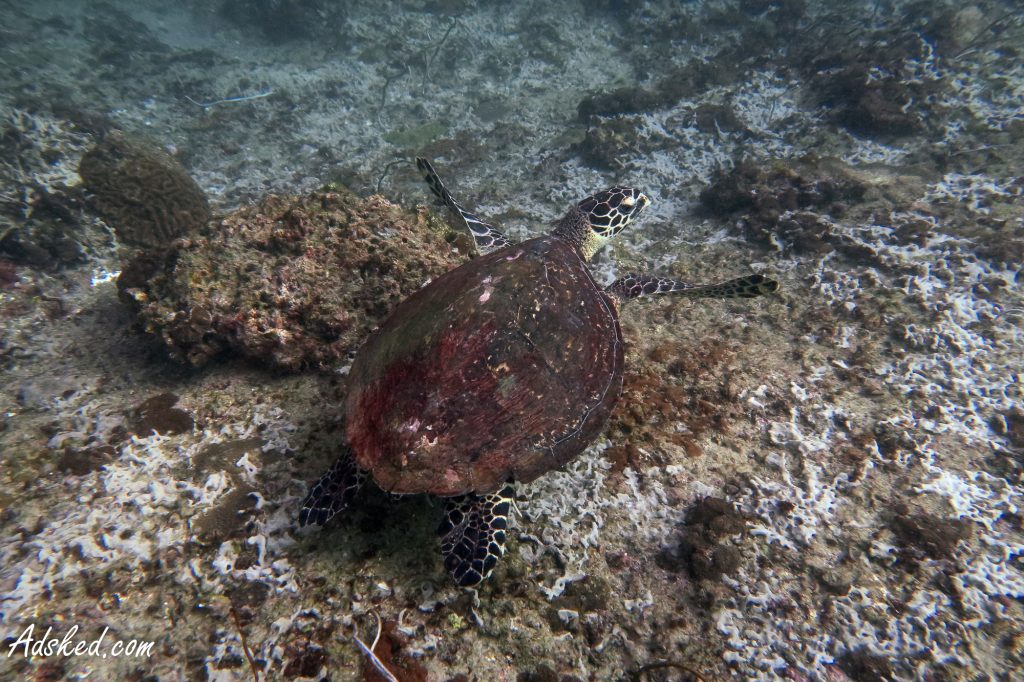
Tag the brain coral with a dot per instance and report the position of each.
(294, 281)
(143, 192)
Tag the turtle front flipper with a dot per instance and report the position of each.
(634, 286)
(473, 534)
(333, 493)
(485, 236)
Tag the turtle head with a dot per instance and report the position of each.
(601, 216)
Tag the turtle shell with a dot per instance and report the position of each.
(502, 369)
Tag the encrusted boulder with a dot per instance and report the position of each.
(293, 282)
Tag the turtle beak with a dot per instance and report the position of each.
(637, 204)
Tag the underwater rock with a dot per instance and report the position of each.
(81, 461)
(779, 204)
(863, 666)
(925, 534)
(293, 282)
(391, 652)
(882, 93)
(541, 673)
(118, 40)
(159, 414)
(954, 29)
(305, 660)
(608, 142)
(780, 9)
(226, 517)
(142, 191)
(1010, 425)
(679, 82)
(46, 239)
(8, 274)
(870, 107)
(714, 118)
(675, 384)
(40, 201)
(700, 551)
(629, 100)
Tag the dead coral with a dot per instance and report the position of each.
(293, 282)
(143, 192)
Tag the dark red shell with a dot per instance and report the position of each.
(502, 369)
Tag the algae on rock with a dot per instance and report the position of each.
(294, 281)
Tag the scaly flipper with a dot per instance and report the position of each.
(486, 237)
(473, 534)
(333, 492)
(634, 286)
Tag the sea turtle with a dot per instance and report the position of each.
(497, 372)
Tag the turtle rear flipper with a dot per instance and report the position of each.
(333, 493)
(473, 534)
(634, 286)
(486, 237)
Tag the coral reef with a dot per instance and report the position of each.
(145, 194)
(293, 282)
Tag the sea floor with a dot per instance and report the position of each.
(822, 484)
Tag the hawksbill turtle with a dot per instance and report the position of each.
(495, 373)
